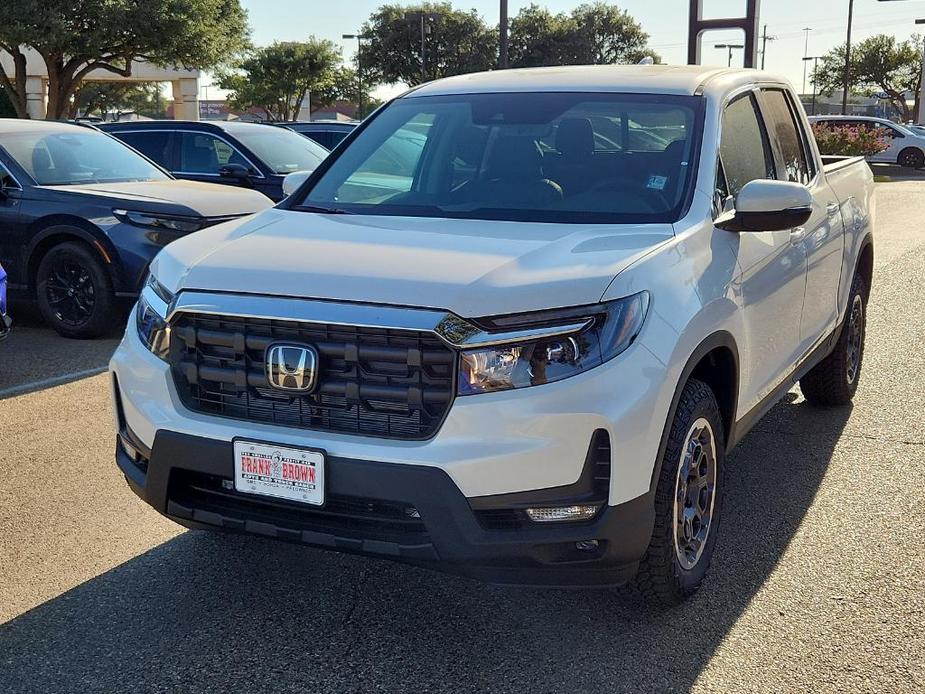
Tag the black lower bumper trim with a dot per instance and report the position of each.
(449, 537)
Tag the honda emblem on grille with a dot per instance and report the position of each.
(291, 367)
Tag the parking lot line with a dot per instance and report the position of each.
(49, 382)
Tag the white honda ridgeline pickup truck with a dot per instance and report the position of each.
(510, 330)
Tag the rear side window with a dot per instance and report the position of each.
(154, 145)
(201, 153)
(788, 143)
(743, 148)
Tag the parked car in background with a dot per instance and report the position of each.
(248, 155)
(82, 215)
(327, 133)
(907, 146)
(524, 358)
(5, 321)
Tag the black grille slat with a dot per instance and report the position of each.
(371, 381)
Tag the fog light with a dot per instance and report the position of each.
(562, 513)
(587, 545)
(129, 449)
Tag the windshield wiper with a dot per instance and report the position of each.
(321, 209)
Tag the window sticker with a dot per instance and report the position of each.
(657, 182)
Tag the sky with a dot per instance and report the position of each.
(665, 21)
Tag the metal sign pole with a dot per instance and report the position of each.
(697, 25)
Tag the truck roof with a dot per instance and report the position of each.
(642, 79)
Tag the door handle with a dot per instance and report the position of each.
(797, 234)
(832, 209)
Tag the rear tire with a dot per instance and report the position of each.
(911, 158)
(74, 292)
(834, 380)
(688, 500)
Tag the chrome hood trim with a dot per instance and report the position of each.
(455, 331)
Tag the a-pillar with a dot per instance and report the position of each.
(186, 98)
(36, 98)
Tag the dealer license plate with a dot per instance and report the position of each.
(294, 474)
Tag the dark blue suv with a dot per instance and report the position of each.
(82, 215)
(249, 155)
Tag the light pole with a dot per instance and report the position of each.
(729, 46)
(805, 55)
(918, 117)
(815, 60)
(502, 42)
(423, 18)
(359, 38)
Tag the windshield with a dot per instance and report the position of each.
(556, 157)
(282, 150)
(78, 156)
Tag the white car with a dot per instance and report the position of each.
(907, 143)
(523, 360)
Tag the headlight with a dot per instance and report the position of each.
(151, 317)
(163, 222)
(615, 325)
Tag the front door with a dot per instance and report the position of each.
(772, 266)
(822, 237)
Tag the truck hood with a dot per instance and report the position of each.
(179, 197)
(470, 267)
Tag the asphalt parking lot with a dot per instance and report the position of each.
(818, 582)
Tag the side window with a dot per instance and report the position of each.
(743, 148)
(201, 153)
(154, 145)
(6, 180)
(788, 143)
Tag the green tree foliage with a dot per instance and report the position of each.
(278, 77)
(115, 99)
(345, 87)
(595, 33)
(75, 37)
(455, 43)
(878, 64)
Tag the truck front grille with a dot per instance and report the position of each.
(371, 381)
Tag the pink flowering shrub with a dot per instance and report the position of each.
(849, 140)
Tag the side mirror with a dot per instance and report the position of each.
(238, 171)
(764, 205)
(293, 181)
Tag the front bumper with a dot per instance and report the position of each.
(184, 477)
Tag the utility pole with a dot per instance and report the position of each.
(764, 43)
(920, 116)
(729, 46)
(503, 62)
(805, 55)
(844, 97)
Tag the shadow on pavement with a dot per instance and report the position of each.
(35, 357)
(206, 612)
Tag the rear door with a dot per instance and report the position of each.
(822, 237)
(14, 227)
(773, 267)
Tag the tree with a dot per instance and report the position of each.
(6, 106)
(595, 33)
(538, 37)
(455, 43)
(345, 87)
(878, 64)
(75, 37)
(277, 78)
(117, 98)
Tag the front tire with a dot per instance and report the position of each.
(688, 500)
(74, 292)
(834, 380)
(911, 158)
